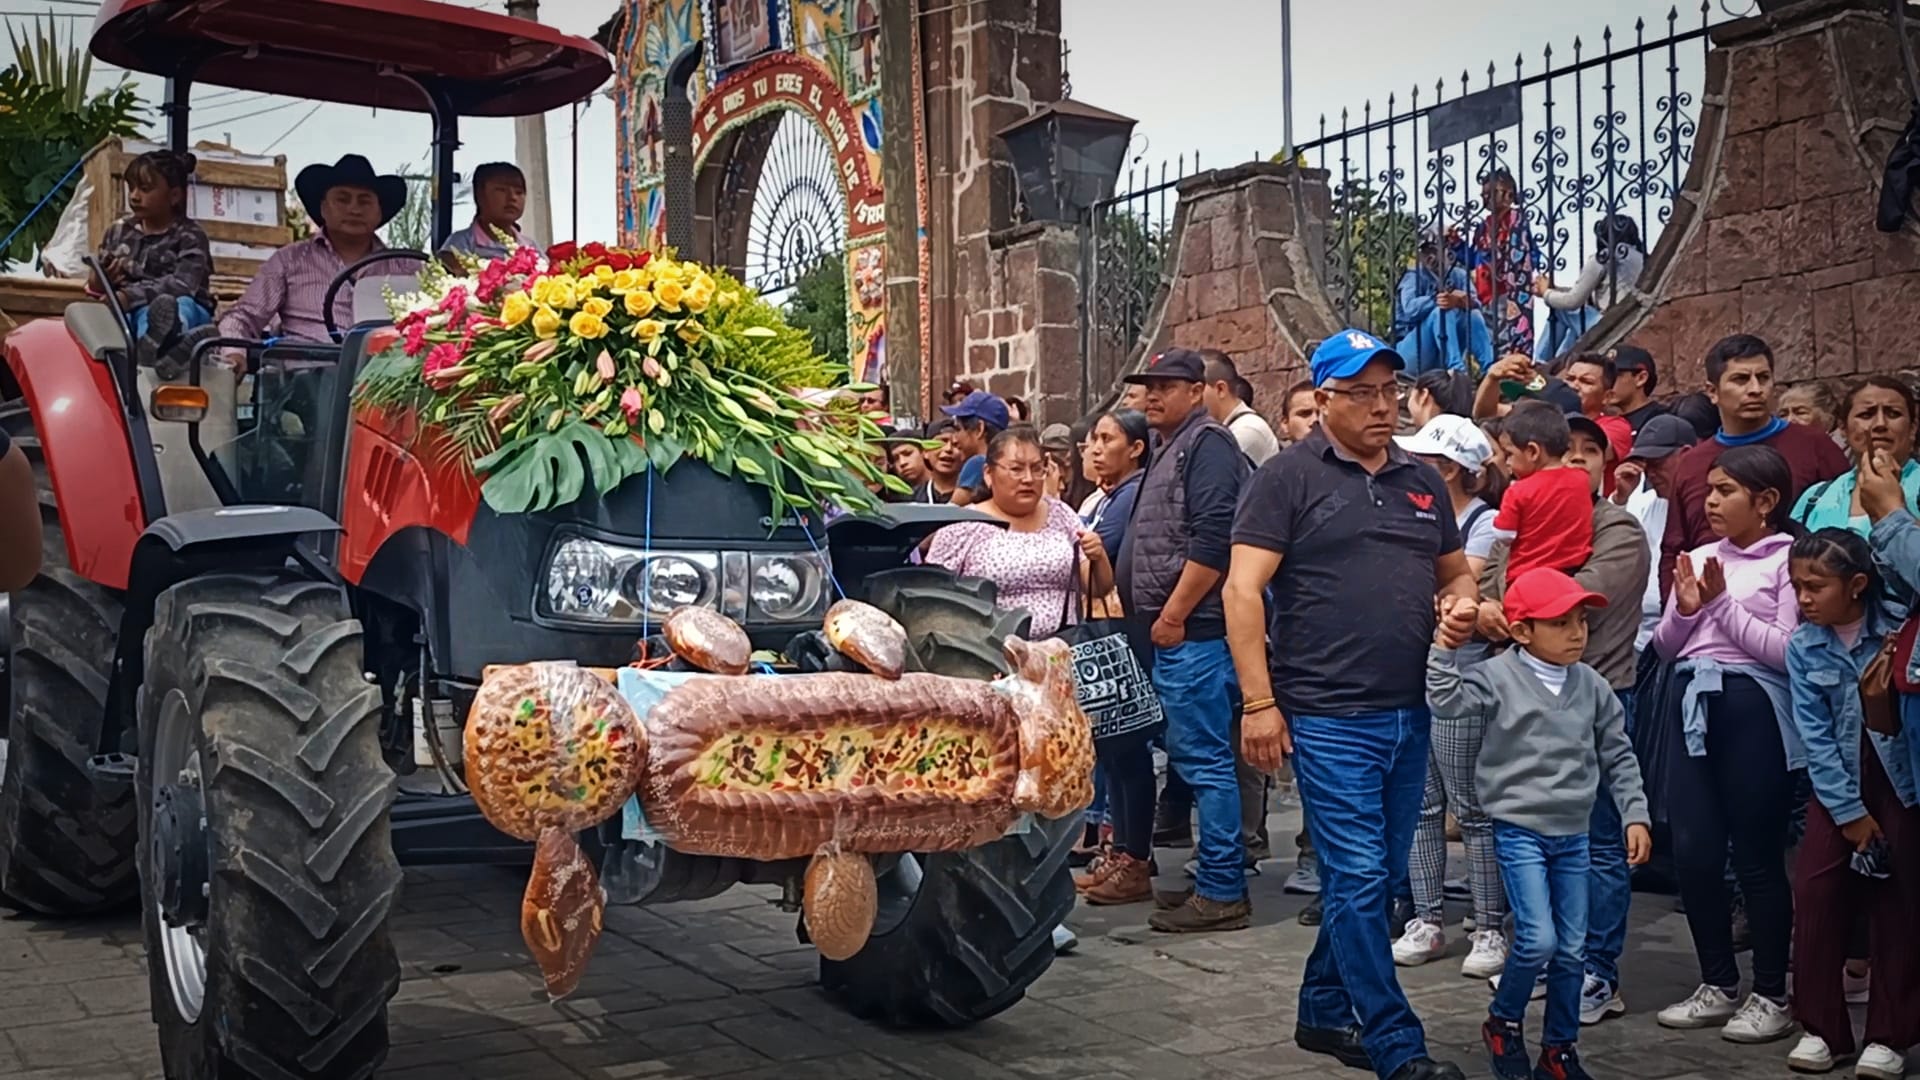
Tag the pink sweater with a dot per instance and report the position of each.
(1750, 622)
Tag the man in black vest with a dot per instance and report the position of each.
(1170, 566)
(1356, 538)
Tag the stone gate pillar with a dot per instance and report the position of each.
(1773, 231)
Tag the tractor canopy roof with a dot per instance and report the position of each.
(379, 53)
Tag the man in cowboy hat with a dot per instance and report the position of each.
(347, 203)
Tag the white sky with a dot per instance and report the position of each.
(1211, 86)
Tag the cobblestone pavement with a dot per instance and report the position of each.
(722, 989)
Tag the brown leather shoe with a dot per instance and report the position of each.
(1199, 915)
(1130, 882)
(1102, 867)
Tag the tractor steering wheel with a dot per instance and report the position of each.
(344, 277)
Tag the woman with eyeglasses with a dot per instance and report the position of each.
(1043, 557)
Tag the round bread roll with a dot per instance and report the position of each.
(708, 640)
(868, 635)
(840, 901)
(551, 745)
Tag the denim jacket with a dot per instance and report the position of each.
(1825, 677)
(1895, 540)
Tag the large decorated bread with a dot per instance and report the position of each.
(773, 767)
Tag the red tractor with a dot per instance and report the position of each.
(230, 692)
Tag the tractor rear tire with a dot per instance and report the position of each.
(257, 722)
(961, 935)
(66, 839)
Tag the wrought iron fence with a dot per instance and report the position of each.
(1585, 136)
(1123, 256)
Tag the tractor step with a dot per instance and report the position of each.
(114, 769)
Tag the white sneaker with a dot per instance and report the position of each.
(1422, 942)
(1810, 1055)
(1880, 1063)
(1539, 987)
(1759, 1020)
(1709, 1006)
(1599, 1000)
(1488, 956)
(1064, 940)
(1857, 987)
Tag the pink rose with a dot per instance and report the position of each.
(631, 402)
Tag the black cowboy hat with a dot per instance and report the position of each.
(315, 181)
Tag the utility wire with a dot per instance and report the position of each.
(296, 127)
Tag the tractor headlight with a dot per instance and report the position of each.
(787, 588)
(590, 579)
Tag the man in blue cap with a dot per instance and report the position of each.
(1169, 573)
(977, 418)
(1343, 515)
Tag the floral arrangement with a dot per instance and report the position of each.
(589, 363)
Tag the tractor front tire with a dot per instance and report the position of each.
(265, 854)
(66, 838)
(960, 935)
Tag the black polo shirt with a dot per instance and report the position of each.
(1352, 614)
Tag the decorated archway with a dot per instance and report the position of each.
(785, 143)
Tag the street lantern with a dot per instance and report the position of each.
(1068, 156)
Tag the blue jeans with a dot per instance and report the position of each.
(1610, 880)
(1563, 330)
(1546, 879)
(192, 315)
(1198, 692)
(1446, 341)
(1361, 780)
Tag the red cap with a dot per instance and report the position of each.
(1545, 593)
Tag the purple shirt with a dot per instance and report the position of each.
(1751, 622)
(478, 241)
(288, 291)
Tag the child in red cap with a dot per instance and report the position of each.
(1555, 730)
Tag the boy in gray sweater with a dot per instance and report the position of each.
(1555, 730)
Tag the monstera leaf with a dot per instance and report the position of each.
(546, 471)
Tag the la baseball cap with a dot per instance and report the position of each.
(1546, 593)
(1455, 438)
(979, 405)
(1183, 364)
(1663, 436)
(1345, 353)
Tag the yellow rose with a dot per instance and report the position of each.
(546, 322)
(603, 274)
(515, 309)
(648, 329)
(702, 282)
(598, 306)
(690, 332)
(585, 287)
(639, 303)
(698, 299)
(586, 324)
(670, 294)
(625, 281)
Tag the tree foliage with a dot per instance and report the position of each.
(412, 227)
(1371, 242)
(819, 306)
(48, 123)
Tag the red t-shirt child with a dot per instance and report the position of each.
(1550, 515)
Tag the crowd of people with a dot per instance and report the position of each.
(1604, 635)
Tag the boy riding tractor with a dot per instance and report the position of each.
(237, 687)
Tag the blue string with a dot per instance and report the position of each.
(31, 214)
(646, 552)
(824, 561)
